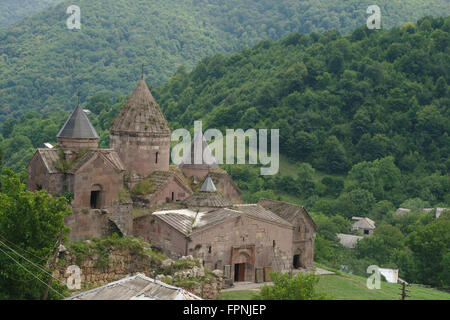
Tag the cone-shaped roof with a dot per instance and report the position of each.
(207, 197)
(207, 159)
(78, 126)
(141, 113)
(208, 185)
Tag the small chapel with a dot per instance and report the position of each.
(189, 209)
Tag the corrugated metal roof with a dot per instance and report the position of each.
(78, 126)
(138, 287)
(140, 114)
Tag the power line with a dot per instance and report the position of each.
(31, 273)
(37, 266)
(18, 247)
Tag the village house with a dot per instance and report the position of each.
(365, 226)
(191, 209)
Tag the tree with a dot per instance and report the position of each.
(286, 286)
(430, 245)
(30, 223)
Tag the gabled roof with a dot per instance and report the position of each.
(182, 220)
(109, 155)
(78, 126)
(141, 114)
(50, 158)
(207, 160)
(259, 212)
(159, 179)
(138, 287)
(364, 223)
(287, 211)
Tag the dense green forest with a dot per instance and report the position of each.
(12, 11)
(43, 64)
(364, 119)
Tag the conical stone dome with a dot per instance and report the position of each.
(140, 134)
(141, 114)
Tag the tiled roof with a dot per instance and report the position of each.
(50, 158)
(140, 114)
(189, 221)
(78, 126)
(364, 223)
(109, 155)
(287, 211)
(207, 199)
(257, 211)
(138, 287)
(182, 220)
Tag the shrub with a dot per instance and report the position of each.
(286, 286)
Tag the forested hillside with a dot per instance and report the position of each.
(12, 11)
(340, 102)
(43, 64)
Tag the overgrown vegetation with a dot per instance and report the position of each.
(143, 188)
(43, 64)
(302, 286)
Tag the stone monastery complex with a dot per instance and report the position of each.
(190, 209)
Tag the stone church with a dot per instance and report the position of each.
(190, 209)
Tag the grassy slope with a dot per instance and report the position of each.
(344, 286)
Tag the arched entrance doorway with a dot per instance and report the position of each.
(240, 267)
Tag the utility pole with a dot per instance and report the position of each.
(52, 264)
(404, 291)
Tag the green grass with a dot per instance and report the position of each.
(350, 287)
(344, 286)
(237, 295)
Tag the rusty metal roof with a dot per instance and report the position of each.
(78, 126)
(140, 114)
(138, 287)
